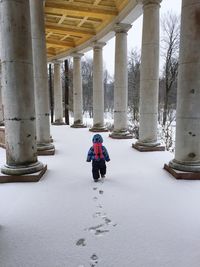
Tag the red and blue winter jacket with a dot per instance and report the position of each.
(97, 151)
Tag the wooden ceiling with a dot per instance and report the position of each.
(70, 23)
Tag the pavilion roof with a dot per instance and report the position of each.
(71, 23)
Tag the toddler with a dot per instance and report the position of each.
(98, 154)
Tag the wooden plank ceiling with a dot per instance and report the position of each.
(70, 23)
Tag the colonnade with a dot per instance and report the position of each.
(18, 89)
(28, 117)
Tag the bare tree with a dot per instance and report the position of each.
(87, 74)
(168, 83)
(134, 61)
(170, 50)
(108, 92)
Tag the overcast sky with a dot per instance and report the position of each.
(135, 34)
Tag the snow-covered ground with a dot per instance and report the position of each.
(138, 217)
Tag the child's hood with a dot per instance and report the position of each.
(97, 138)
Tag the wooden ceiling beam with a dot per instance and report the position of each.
(82, 21)
(56, 43)
(62, 19)
(78, 9)
(50, 52)
(69, 18)
(68, 29)
(96, 2)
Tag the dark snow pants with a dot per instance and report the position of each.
(98, 167)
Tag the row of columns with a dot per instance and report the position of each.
(187, 150)
(27, 117)
(24, 86)
(149, 81)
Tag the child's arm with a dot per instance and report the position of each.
(90, 153)
(105, 153)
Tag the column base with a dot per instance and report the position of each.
(121, 135)
(23, 169)
(143, 148)
(181, 174)
(45, 149)
(185, 166)
(78, 125)
(99, 129)
(34, 177)
(58, 123)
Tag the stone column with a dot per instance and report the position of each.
(1, 104)
(40, 76)
(77, 92)
(121, 83)
(149, 77)
(187, 149)
(58, 95)
(98, 89)
(18, 89)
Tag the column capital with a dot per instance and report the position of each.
(151, 2)
(98, 45)
(77, 55)
(122, 27)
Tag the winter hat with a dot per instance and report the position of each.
(97, 138)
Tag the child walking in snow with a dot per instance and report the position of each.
(99, 155)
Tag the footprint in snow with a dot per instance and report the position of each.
(100, 232)
(98, 214)
(81, 242)
(95, 227)
(94, 260)
(107, 220)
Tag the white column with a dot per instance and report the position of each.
(1, 104)
(58, 94)
(98, 89)
(40, 76)
(18, 89)
(149, 74)
(121, 83)
(77, 91)
(187, 148)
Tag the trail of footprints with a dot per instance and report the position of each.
(99, 229)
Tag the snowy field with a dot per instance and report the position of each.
(138, 217)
